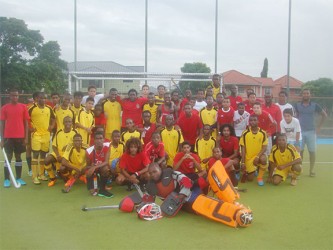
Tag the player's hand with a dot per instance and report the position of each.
(90, 171)
(218, 138)
(280, 167)
(2, 143)
(50, 128)
(256, 161)
(205, 160)
(25, 141)
(177, 128)
(59, 158)
(88, 130)
(202, 173)
(269, 179)
(133, 179)
(32, 130)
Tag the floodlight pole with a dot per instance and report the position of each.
(75, 41)
(216, 31)
(146, 35)
(288, 64)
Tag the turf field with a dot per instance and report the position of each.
(285, 217)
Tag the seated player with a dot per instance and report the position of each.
(227, 163)
(97, 158)
(131, 132)
(133, 164)
(97, 130)
(284, 159)
(229, 144)
(85, 121)
(73, 164)
(253, 144)
(60, 141)
(155, 150)
(204, 146)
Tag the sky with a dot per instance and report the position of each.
(181, 31)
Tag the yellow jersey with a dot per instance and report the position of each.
(112, 112)
(41, 118)
(253, 142)
(87, 120)
(76, 110)
(127, 135)
(60, 114)
(171, 140)
(280, 158)
(62, 139)
(153, 111)
(204, 149)
(75, 157)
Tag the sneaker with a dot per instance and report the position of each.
(260, 181)
(104, 193)
(30, 172)
(36, 181)
(22, 182)
(293, 182)
(312, 174)
(83, 179)
(42, 178)
(46, 173)
(93, 192)
(52, 183)
(70, 182)
(6, 183)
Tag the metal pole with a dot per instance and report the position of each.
(75, 41)
(146, 36)
(289, 31)
(216, 26)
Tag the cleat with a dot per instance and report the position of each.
(6, 183)
(260, 181)
(70, 182)
(312, 174)
(104, 193)
(22, 182)
(293, 182)
(30, 173)
(93, 192)
(83, 179)
(52, 183)
(42, 178)
(36, 181)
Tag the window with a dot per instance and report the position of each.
(267, 90)
(87, 83)
(241, 90)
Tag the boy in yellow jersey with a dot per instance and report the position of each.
(172, 139)
(85, 121)
(284, 159)
(42, 122)
(73, 163)
(208, 115)
(117, 148)
(62, 111)
(159, 98)
(112, 111)
(60, 141)
(253, 144)
(215, 85)
(131, 131)
(204, 147)
(77, 106)
(151, 107)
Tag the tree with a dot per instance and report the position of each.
(26, 61)
(196, 67)
(264, 71)
(322, 90)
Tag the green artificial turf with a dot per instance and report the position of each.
(285, 217)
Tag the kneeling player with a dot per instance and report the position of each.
(284, 159)
(73, 163)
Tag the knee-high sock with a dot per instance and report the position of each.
(41, 167)
(50, 171)
(29, 163)
(262, 170)
(34, 168)
(18, 169)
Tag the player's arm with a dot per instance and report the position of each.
(184, 183)
(323, 117)
(52, 121)
(271, 170)
(69, 165)
(262, 151)
(56, 151)
(243, 153)
(296, 161)
(158, 114)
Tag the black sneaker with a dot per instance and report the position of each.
(104, 193)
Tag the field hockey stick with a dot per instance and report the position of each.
(138, 189)
(176, 85)
(243, 190)
(85, 208)
(16, 184)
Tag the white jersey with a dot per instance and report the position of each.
(199, 105)
(240, 122)
(96, 98)
(290, 129)
(285, 106)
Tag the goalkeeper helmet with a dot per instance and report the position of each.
(150, 211)
(244, 217)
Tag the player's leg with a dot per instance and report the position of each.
(296, 170)
(262, 168)
(28, 154)
(277, 179)
(42, 166)
(64, 173)
(50, 158)
(36, 143)
(120, 180)
(250, 169)
(9, 149)
(19, 148)
(312, 151)
(105, 173)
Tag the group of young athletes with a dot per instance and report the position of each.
(102, 139)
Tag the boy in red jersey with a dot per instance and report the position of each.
(155, 150)
(225, 115)
(234, 98)
(147, 128)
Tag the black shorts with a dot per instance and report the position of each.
(15, 145)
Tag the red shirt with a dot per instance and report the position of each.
(228, 147)
(155, 152)
(213, 160)
(132, 110)
(147, 132)
(97, 156)
(187, 166)
(14, 116)
(234, 100)
(265, 121)
(183, 102)
(100, 120)
(190, 126)
(225, 117)
(135, 163)
(275, 112)
(182, 113)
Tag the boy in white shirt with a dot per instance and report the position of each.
(291, 127)
(241, 119)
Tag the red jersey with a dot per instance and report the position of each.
(135, 163)
(187, 166)
(213, 160)
(182, 104)
(190, 126)
(265, 122)
(97, 156)
(275, 112)
(100, 121)
(164, 113)
(228, 147)
(14, 117)
(155, 152)
(234, 100)
(225, 117)
(147, 133)
(132, 110)
(194, 112)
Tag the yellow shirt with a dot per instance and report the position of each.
(87, 120)
(204, 149)
(116, 152)
(60, 114)
(153, 111)
(215, 90)
(41, 118)
(280, 158)
(127, 135)
(76, 110)
(77, 158)
(253, 142)
(171, 139)
(62, 139)
(159, 100)
(112, 112)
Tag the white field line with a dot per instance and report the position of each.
(307, 162)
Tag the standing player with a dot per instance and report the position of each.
(241, 119)
(215, 85)
(145, 91)
(112, 112)
(291, 127)
(131, 131)
(225, 115)
(252, 99)
(273, 110)
(147, 128)
(200, 100)
(14, 134)
(208, 115)
(159, 98)
(92, 90)
(282, 102)
(77, 106)
(151, 107)
(42, 123)
(234, 98)
(253, 144)
(284, 159)
(166, 108)
(85, 121)
(62, 111)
